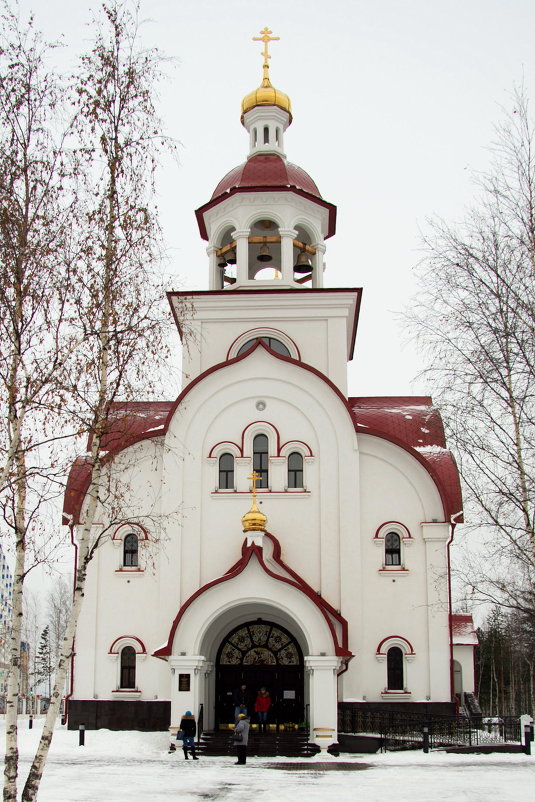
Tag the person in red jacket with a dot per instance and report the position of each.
(262, 705)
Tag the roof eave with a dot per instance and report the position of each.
(329, 207)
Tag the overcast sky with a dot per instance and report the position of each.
(393, 101)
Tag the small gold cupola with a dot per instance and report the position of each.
(266, 94)
(254, 520)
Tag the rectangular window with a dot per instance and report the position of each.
(261, 458)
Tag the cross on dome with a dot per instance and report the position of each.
(266, 38)
(266, 95)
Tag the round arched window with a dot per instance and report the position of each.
(271, 342)
(260, 643)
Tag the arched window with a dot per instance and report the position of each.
(392, 549)
(394, 669)
(128, 667)
(226, 472)
(266, 135)
(295, 470)
(271, 342)
(260, 458)
(130, 550)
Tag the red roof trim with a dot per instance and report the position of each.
(328, 612)
(114, 649)
(386, 524)
(331, 209)
(380, 649)
(142, 533)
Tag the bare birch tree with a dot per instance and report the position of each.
(475, 319)
(117, 293)
(34, 214)
(58, 608)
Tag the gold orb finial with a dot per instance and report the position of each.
(266, 94)
(254, 520)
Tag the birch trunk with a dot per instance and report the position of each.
(35, 773)
(11, 760)
(85, 545)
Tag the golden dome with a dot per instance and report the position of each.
(266, 95)
(254, 520)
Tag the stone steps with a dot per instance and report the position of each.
(270, 744)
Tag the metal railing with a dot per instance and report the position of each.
(200, 722)
(404, 730)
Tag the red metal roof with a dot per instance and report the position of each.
(412, 419)
(128, 420)
(266, 170)
(128, 423)
(463, 630)
(413, 422)
(77, 487)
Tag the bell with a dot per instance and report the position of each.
(303, 263)
(221, 262)
(230, 256)
(264, 255)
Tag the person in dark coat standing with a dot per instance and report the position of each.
(262, 705)
(241, 739)
(188, 726)
(240, 698)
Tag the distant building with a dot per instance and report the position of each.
(6, 597)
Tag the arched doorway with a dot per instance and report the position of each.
(457, 678)
(260, 654)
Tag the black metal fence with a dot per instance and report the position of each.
(404, 730)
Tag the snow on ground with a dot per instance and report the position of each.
(136, 767)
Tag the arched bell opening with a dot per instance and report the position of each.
(264, 251)
(260, 654)
(226, 258)
(303, 256)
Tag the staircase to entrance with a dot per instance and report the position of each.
(274, 743)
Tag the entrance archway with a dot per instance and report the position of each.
(260, 654)
(457, 678)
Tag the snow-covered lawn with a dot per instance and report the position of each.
(135, 767)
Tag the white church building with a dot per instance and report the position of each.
(331, 584)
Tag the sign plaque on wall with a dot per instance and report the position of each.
(183, 682)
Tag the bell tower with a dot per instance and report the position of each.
(266, 222)
(266, 226)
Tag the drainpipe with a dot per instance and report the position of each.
(452, 683)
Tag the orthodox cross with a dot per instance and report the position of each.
(254, 479)
(266, 38)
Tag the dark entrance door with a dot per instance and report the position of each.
(261, 654)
